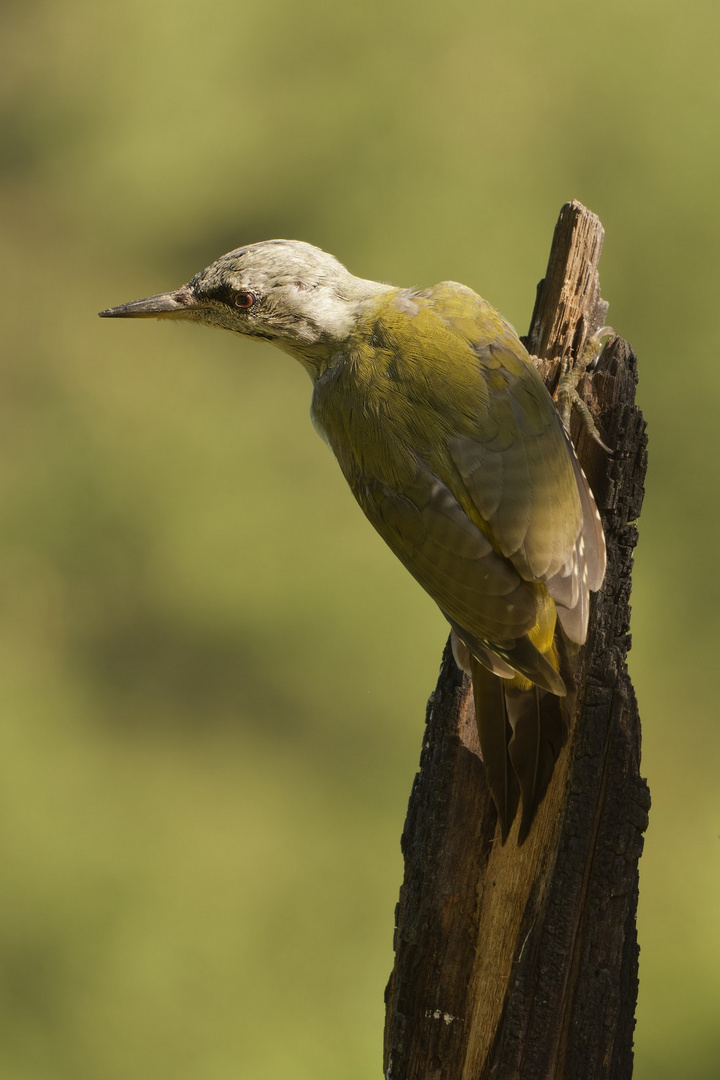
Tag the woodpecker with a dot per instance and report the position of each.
(454, 450)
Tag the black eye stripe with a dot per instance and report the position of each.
(222, 293)
(226, 294)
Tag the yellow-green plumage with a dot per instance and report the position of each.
(455, 452)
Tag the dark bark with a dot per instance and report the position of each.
(520, 963)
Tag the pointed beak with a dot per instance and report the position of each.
(171, 305)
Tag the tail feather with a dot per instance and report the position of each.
(495, 732)
(538, 736)
(521, 734)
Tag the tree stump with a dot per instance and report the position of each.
(521, 963)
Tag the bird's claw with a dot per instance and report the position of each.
(567, 391)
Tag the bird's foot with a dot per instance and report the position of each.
(567, 390)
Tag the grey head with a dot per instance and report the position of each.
(284, 291)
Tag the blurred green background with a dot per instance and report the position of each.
(213, 673)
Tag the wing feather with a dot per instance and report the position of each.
(490, 607)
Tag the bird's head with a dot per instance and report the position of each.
(284, 291)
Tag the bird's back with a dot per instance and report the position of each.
(434, 388)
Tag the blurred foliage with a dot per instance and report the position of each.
(213, 675)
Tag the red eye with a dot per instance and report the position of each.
(244, 300)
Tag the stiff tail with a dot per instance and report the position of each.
(521, 735)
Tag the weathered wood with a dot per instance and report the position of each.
(520, 963)
(568, 303)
